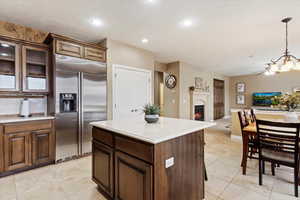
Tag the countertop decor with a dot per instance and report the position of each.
(151, 113)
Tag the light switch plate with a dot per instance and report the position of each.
(169, 162)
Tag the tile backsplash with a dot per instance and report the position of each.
(11, 106)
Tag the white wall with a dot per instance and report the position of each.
(124, 54)
(11, 106)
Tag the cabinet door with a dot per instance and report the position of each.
(69, 49)
(1, 150)
(17, 150)
(94, 54)
(133, 178)
(9, 66)
(103, 167)
(42, 146)
(35, 69)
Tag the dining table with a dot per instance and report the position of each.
(251, 131)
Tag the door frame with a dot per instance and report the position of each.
(114, 67)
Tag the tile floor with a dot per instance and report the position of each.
(72, 180)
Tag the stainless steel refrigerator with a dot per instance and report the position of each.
(80, 93)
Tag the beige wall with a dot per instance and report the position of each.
(188, 73)
(123, 54)
(171, 96)
(284, 82)
(177, 100)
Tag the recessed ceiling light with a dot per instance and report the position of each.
(187, 23)
(4, 45)
(96, 22)
(145, 40)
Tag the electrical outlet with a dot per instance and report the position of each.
(169, 162)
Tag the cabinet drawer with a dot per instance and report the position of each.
(103, 136)
(68, 48)
(27, 126)
(141, 150)
(94, 54)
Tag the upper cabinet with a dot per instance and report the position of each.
(23, 67)
(35, 69)
(9, 66)
(94, 54)
(68, 48)
(71, 47)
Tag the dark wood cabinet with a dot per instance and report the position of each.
(94, 54)
(102, 167)
(17, 147)
(69, 48)
(9, 66)
(1, 150)
(76, 48)
(42, 146)
(35, 69)
(139, 168)
(24, 67)
(133, 178)
(25, 145)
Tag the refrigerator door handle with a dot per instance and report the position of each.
(80, 125)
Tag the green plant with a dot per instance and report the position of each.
(151, 109)
(289, 101)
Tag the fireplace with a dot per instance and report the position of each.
(199, 105)
(199, 112)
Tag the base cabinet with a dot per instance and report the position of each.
(17, 150)
(125, 168)
(132, 173)
(32, 147)
(103, 167)
(42, 146)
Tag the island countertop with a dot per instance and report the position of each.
(165, 129)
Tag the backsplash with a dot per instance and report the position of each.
(11, 106)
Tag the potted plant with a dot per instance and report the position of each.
(290, 102)
(151, 113)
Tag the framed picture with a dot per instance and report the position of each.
(240, 99)
(240, 87)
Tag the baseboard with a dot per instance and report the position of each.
(236, 137)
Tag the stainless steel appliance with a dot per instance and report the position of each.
(80, 99)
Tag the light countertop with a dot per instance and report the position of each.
(11, 119)
(165, 129)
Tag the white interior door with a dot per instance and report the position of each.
(131, 91)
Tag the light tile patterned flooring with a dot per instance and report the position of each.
(72, 180)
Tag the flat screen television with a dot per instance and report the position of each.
(264, 98)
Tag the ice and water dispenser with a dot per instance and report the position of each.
(68, 102)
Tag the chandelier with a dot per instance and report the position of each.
(287, 61)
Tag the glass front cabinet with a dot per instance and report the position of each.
(35, 69)
(9, 66)
(23, 68)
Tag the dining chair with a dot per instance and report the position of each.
(250, 144)
(279, 143)
(252, 115)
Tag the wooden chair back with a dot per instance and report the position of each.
(253, 116)
(243, 119)
(279, 138)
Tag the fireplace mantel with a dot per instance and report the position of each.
(198, 97)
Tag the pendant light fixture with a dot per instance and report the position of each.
(287, 61)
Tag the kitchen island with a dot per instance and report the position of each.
(133, 160)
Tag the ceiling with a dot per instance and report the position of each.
(231, 37)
